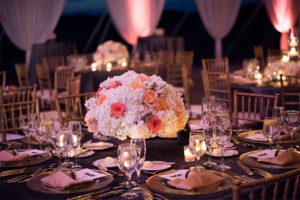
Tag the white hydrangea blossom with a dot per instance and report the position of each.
(132, 123)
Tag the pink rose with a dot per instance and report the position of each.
(99, 90)
(114, 84)
(117, 109)
(155, 124)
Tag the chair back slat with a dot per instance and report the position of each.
(3, 79)
(61, 78)
(174, 75)
(187, 83)
(53, 62)
(22, 74)
(44, 78)
(21, 94)
(73, 85)
(148, 68)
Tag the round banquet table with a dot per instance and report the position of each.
(157, 149)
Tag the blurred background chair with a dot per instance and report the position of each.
(148, 68)
(11, 112)
(61, 77)
(73, 85)
(53, 62)
(22, 75)
(18, 94)
(71, 107)
(250, 108)
(290, 92)
(185, 58)
(3, 79)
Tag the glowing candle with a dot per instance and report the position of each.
(94, 67)
(188, 156)
(108, 67)
(285, 58)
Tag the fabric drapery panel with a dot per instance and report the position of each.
(28, 22)
(218, 17)
(283, 15)
(135, 18)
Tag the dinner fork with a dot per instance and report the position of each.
(262, 172)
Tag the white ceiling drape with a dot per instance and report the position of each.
(218, 17)
(283, 15)
(29, 22)
(135, 18)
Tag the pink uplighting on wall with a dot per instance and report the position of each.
(283, 14)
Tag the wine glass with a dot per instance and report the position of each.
(47, 131)
(278, 114)
(128, 159)
(75, 131)
(222, 135)
(270, 130)
(59, 140)
(24, 121)
(67, 150)
(207, 107)
(208, 130)
(140, 142)
(197, 147)
(292, 120)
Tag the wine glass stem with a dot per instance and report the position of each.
(292, 141)
(209, 155)
(222, 157)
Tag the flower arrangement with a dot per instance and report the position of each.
(136, 105)
(110, 51)
(273, 69)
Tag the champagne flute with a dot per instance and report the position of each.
(208, 130)
(128, 159)
(270, 130)
(75, 131)
(140, 142)
(222, 135)
(278, 114)
(197, 147)
(292, 120)
(24, 121)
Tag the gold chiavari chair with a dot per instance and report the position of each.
(3, 79)
(290, 92)
(11, 112)
(53, 62)
(21, 94)
(259, 55)
(216, 65)
(281, 186)
(61, 77)
(45, 92)
(73, 85)
(195, 109)
(187, 58)
(166, 57)
(22, 74)
(74, 107)
(148, 68)
(250, 107)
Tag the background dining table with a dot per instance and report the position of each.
(157, 149)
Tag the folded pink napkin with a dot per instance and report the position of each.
(61, 180)
(197, 179)
(8, 156)
(283, 158)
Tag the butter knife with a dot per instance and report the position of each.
(244, 167)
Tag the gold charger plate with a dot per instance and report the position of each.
(251, 161)
(242, 137)
(31, 141)
(35, 159)
(159, 184)
(36, 185)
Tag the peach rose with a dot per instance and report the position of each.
(117, 109)
(149, 96)
(161, 104)
(92, 127)
(101, 99)
(137, 85)
(180, 122)
(155, 124)
(179, 108)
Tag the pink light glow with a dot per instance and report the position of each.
(283, 14)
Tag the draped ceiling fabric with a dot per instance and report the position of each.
(218, 17)
(135, 18)
(283, 15)
(29, 22)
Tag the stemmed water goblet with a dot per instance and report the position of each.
(46, 130)
(197, 147)
(292, 121)
(59, 140)
(24, 122)
(271, 130)
(208, 130)
(75, 133)
(278, 114)
(140, 142)
(127, 161)
(222, 134)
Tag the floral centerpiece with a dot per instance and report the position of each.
(110, 51)
(136, 105)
